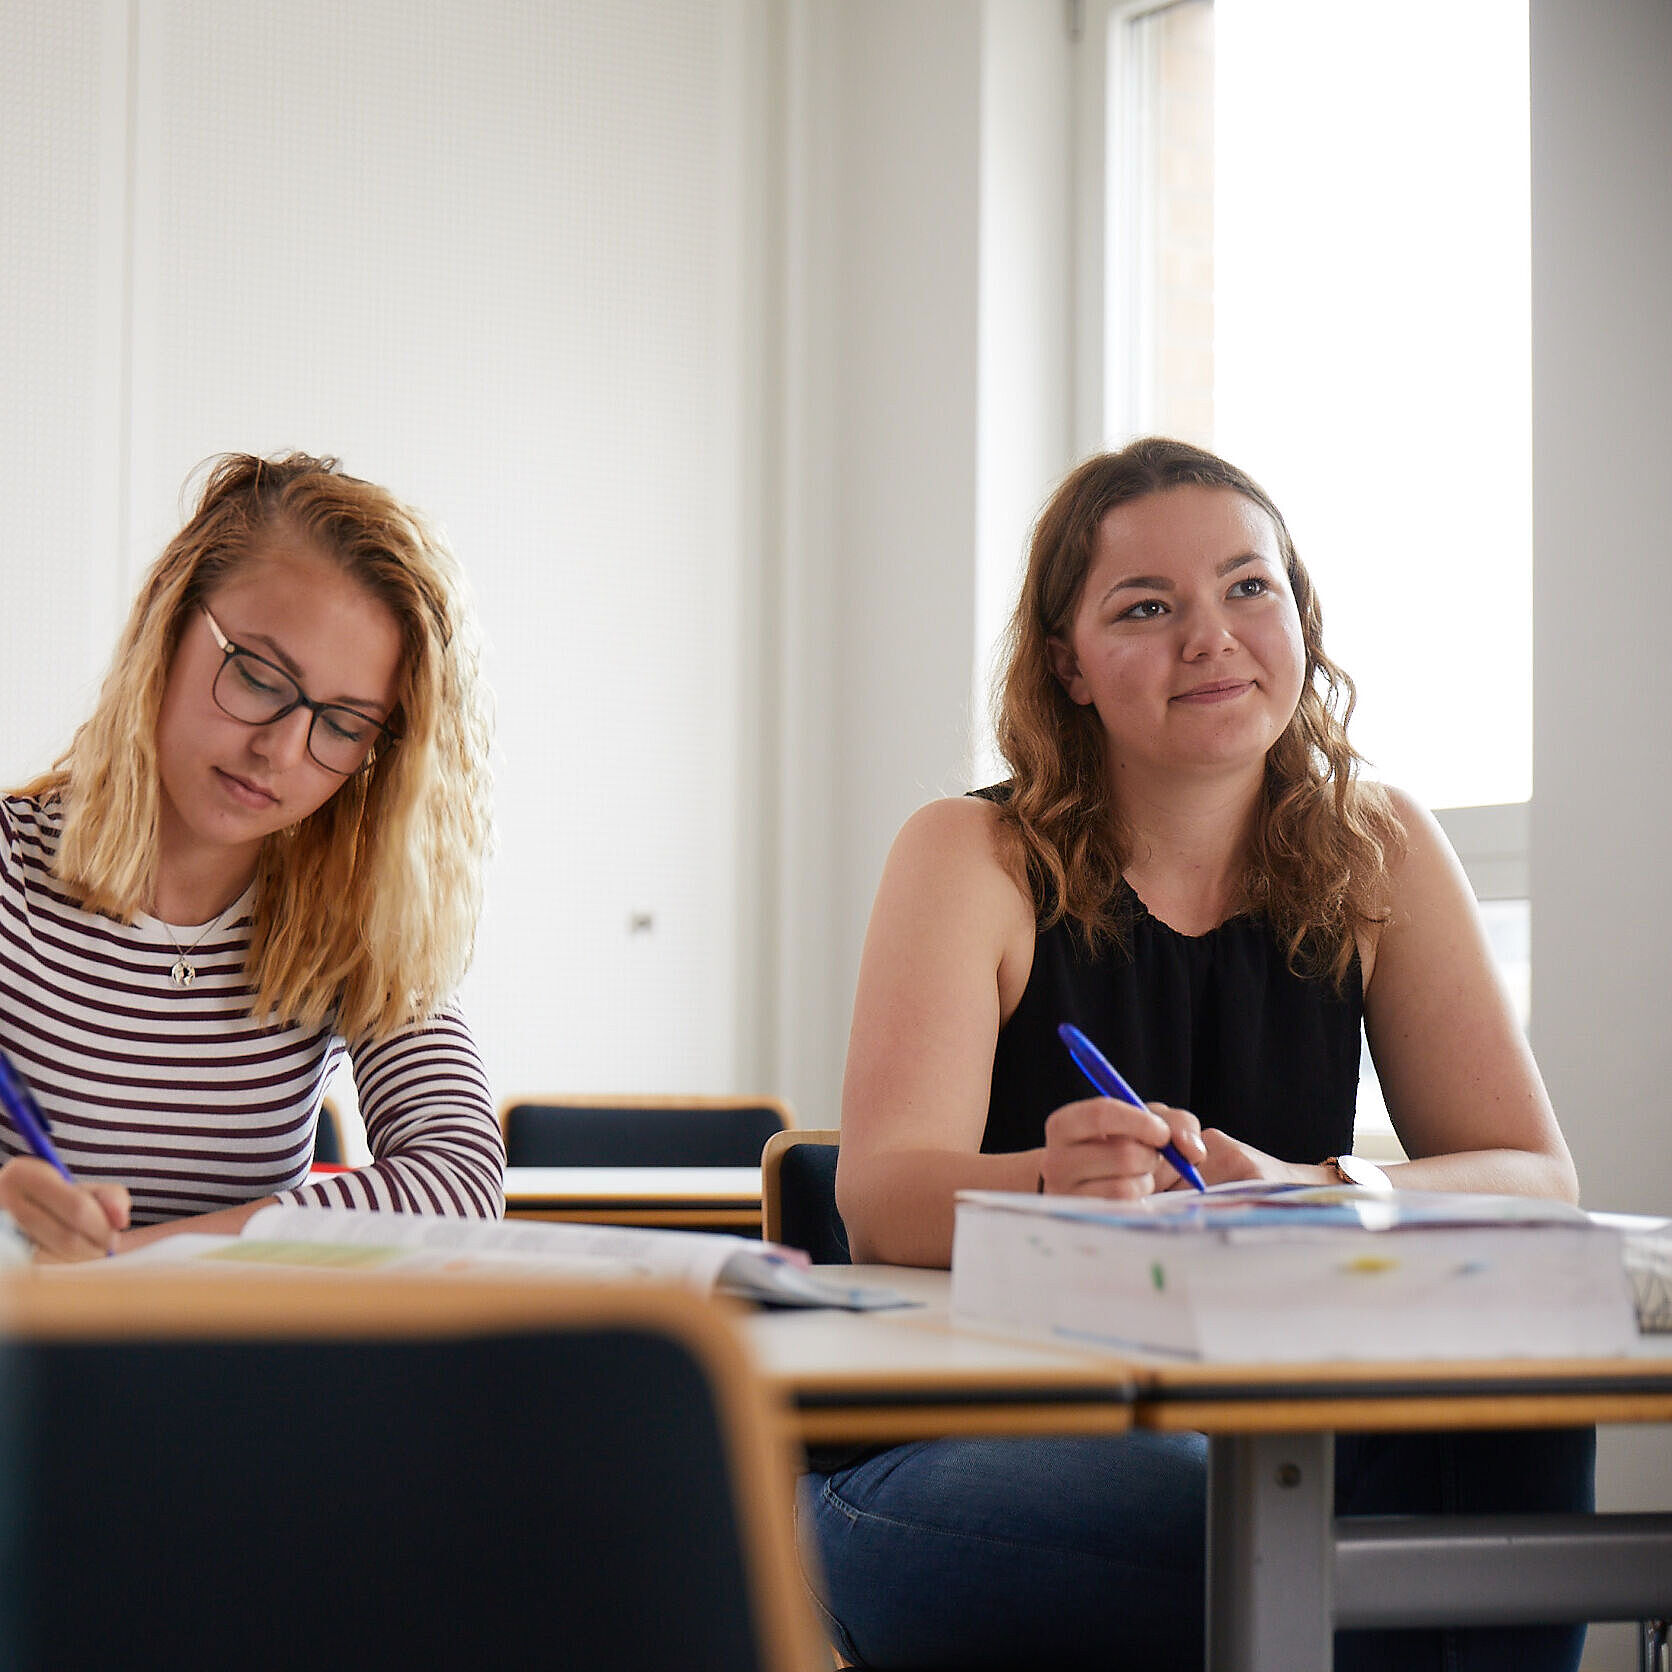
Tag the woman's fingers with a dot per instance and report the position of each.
(113, 1198)
(1094, 1119)
(1184, 1130)
(64, 1221)
(1228, 1159)
(1101, 1146)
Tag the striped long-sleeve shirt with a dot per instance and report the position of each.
(178, 1094)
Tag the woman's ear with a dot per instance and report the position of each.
(1066, 666)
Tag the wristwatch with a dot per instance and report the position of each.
(1354, 1169)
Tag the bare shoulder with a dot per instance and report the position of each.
(1425, 861)
(1430, 903)
(1421, 861)
(1412, 815)
(962, 834)
(952, 873)
(955, 818)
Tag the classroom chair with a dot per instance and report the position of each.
(644, 1131)
(798, 1195)
(517, 1473)
(328, 1136)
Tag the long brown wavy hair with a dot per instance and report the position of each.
(1317, 863)
(365, 913)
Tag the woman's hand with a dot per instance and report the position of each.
(64, 1221)
(1229, 1159)
(1104, 1147)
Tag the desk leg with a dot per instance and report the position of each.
(1271, 1552)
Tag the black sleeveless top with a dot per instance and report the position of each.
(1216, 1023)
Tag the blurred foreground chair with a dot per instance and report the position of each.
(649, 1131)
(328, 1136)
(798, 1195)
(517, 1474)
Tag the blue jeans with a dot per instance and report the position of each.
(1051, 1555)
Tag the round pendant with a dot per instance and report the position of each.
(182, 973)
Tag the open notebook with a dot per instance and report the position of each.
(337, 1239)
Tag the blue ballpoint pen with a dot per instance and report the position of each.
(1101, 1072)
(26, 1116)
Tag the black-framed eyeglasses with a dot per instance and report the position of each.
(257, 692)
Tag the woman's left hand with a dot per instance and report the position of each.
(1228, 1160)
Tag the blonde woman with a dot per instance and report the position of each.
(1185, 865)
(262, 850)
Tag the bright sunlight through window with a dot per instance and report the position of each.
(1319, 265)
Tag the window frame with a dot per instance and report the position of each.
(1114, 317)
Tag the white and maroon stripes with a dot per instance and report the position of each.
(177, 1094)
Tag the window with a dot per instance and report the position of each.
(1317, 262)
(1315, 258)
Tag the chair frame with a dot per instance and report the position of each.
(772, 1168)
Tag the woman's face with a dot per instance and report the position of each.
(227, 785)
(1186, 639)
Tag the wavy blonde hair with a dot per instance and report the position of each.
(1318, 859)
(365, 912)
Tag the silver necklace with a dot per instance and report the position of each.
(181, 970)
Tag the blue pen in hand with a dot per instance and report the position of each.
(1101, 1072)
(25, 1114)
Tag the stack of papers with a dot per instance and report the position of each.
(1263, 1273)
(1648, 1252)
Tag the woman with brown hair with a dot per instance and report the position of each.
(1185, 864)
(262, 850)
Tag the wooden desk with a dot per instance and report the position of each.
(907, 1374)
(1283, 1573)
(674, 1198)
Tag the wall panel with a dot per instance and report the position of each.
(62, 133)
(488, 256)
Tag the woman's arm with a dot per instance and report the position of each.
(946, 959)
(430, 1124)
(947, 918)
(435, 1143)
(1460, 1082)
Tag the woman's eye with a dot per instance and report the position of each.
(1251, 586)
(253, 679)
(346, 728)
(1148, 609)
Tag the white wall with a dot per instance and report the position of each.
(507, 261)
(926, 304)
(63, 75)
(1028, 365)
(1602, 533)
(1602, 438)
(729, 339)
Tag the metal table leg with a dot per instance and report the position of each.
(1271, 1552)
